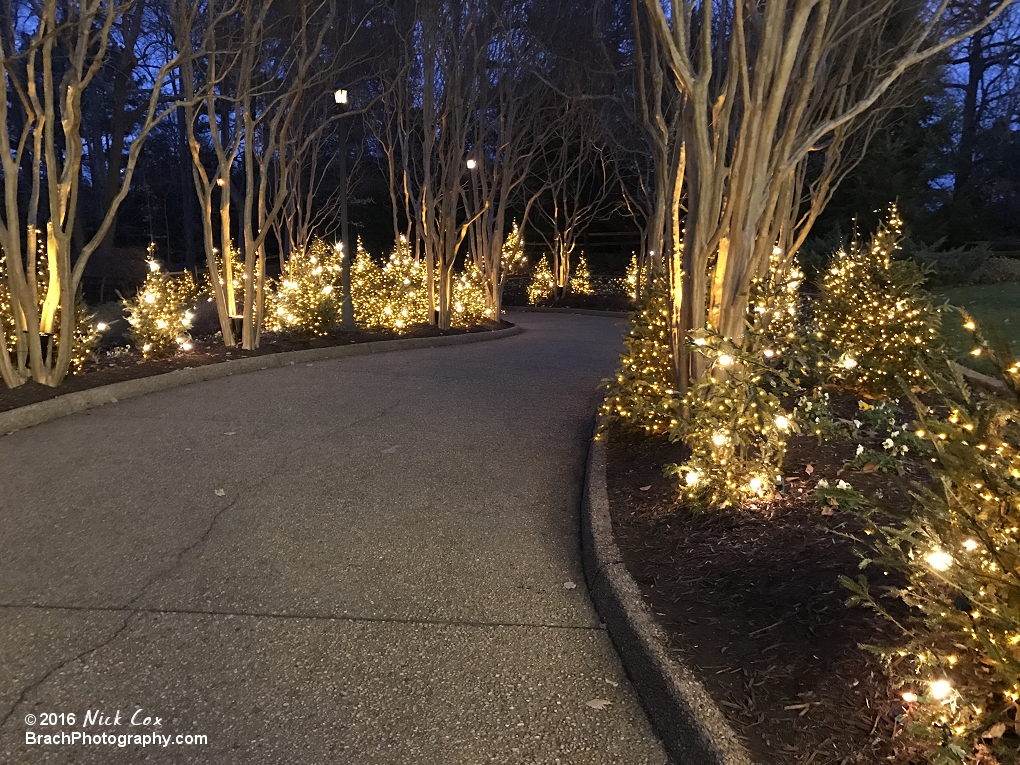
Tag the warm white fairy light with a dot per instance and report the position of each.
(940, 689)
(939, 560)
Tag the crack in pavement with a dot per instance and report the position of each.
(131, 613)
(303, 617)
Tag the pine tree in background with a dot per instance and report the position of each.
(641, 396)
(580, 282)
(542, 282)
(512, 259)
(874, 319)
(633, 277)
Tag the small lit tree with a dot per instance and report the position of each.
(641, 396)
(469, 298)
(160, 315)
(874, 319)
(542, 282)
(735, 426)
(580, 282)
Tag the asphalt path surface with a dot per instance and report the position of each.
(365, 560)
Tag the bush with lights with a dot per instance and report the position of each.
(542, 282)
(958, 552)
(161, 314)
(580, 281)
(641, 396)
(469, 302)
(87, 333)
(307, 298)
(393, 296)
(874, 322)
(734, 422)
(734, 425)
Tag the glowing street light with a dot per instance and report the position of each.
(340, 95)
(472, 164)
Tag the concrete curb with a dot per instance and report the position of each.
(581, 311)
(72, 403)
(690, 724)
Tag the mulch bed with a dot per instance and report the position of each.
(751, 600)
(118, 364)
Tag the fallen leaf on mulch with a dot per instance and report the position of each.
(220, 493)
(870, 467)
(809, 469)
(598, 703)
(645, 488)
(569, 586)
(996, 731)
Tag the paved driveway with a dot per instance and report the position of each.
(366, 560)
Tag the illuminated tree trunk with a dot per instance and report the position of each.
(44, 78)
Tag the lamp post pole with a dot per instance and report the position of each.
(347, 304)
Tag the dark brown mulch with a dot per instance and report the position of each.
(751, 600)
(117, 365)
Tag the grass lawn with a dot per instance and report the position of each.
(996, 309)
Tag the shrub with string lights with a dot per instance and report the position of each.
(774, 305)
(307, 297)
(874, 321)
(958, 552)
(469, 304)
(580, 282)
(160, 315)
(392, 296)
(87, 332)
(641, 396)
(542, 282)
(734, 425)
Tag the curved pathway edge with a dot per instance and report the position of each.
(683, 714)
(23, 417)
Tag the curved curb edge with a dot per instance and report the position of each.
(683, 714)
(579, 311)
(71, 403)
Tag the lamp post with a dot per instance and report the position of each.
(346, 304)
